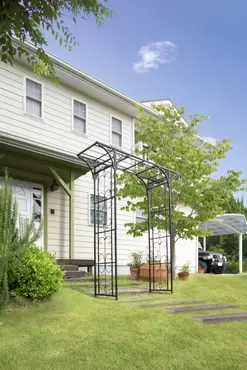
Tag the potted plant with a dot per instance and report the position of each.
(184, 272)
(200, 270)
(158, 268)
(136, 261)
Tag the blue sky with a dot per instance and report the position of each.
(193, 52)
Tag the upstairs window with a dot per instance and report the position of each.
(79, 123)
(117, 132)
(33, 98)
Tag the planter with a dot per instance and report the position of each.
(183, 275)
(158, 271)
(200, 270)
(135, 273)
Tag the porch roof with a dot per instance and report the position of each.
(26, 155)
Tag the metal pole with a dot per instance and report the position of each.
(240, 253)
(149, 237)
(205, 243)
(94, 224)
(115, 223)
(171, 228)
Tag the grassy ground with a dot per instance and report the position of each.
(75, 331)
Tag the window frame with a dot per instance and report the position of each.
(111, 131)
(145, 146)
(25, 78)
(73, 99)
(89, 211)
(144, 217)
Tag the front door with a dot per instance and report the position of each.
(29, 197)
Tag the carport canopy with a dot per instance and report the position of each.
(229, 223)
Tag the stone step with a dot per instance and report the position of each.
(74, 280)
(132, 290)
(125, 291)
(74, 274)
(169, 304)
(69, 267)
(214, 319)
(159, 296)
(202, 308)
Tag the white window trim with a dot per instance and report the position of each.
(89, 211)
(73, 98)
(120, 119)
(144, 217)
(25, 97)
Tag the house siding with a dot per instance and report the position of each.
(55, 130)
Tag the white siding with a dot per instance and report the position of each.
(55, 130)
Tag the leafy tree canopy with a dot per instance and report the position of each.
(173, 144)
(28, 20)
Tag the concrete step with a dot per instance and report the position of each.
(154, 298)
(214, 319)
(69, 267)
(132, 290)
(202, 308)
(74, 274)
(80, 279)
(169, 304)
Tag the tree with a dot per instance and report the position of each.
(28, 20)
(173, 144)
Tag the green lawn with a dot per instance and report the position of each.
(75, 331)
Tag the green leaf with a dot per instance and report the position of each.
(27, 20)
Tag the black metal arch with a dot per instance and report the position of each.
(104, 161)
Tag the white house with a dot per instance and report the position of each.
(42, 128)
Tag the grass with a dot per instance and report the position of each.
(75, 331)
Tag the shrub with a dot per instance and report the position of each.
(16, 235)
(35, 276)
(233, 267)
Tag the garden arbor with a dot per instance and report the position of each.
(105, 163)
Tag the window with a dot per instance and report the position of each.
(117, 132)
(101, 205)
(139, 145)
(79, 117)
(33, 98)
(37, 204)
(140, 217)
(135, 133)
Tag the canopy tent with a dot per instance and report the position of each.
(229, 223)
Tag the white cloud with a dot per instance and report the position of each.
(153, 55)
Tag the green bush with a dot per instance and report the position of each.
(233, 267)
(35, 276)
(16, 236)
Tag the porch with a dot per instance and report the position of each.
(56, 173)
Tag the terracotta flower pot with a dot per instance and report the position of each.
(158, 270)
(135, 273)
(200, 270)
(183, 275)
